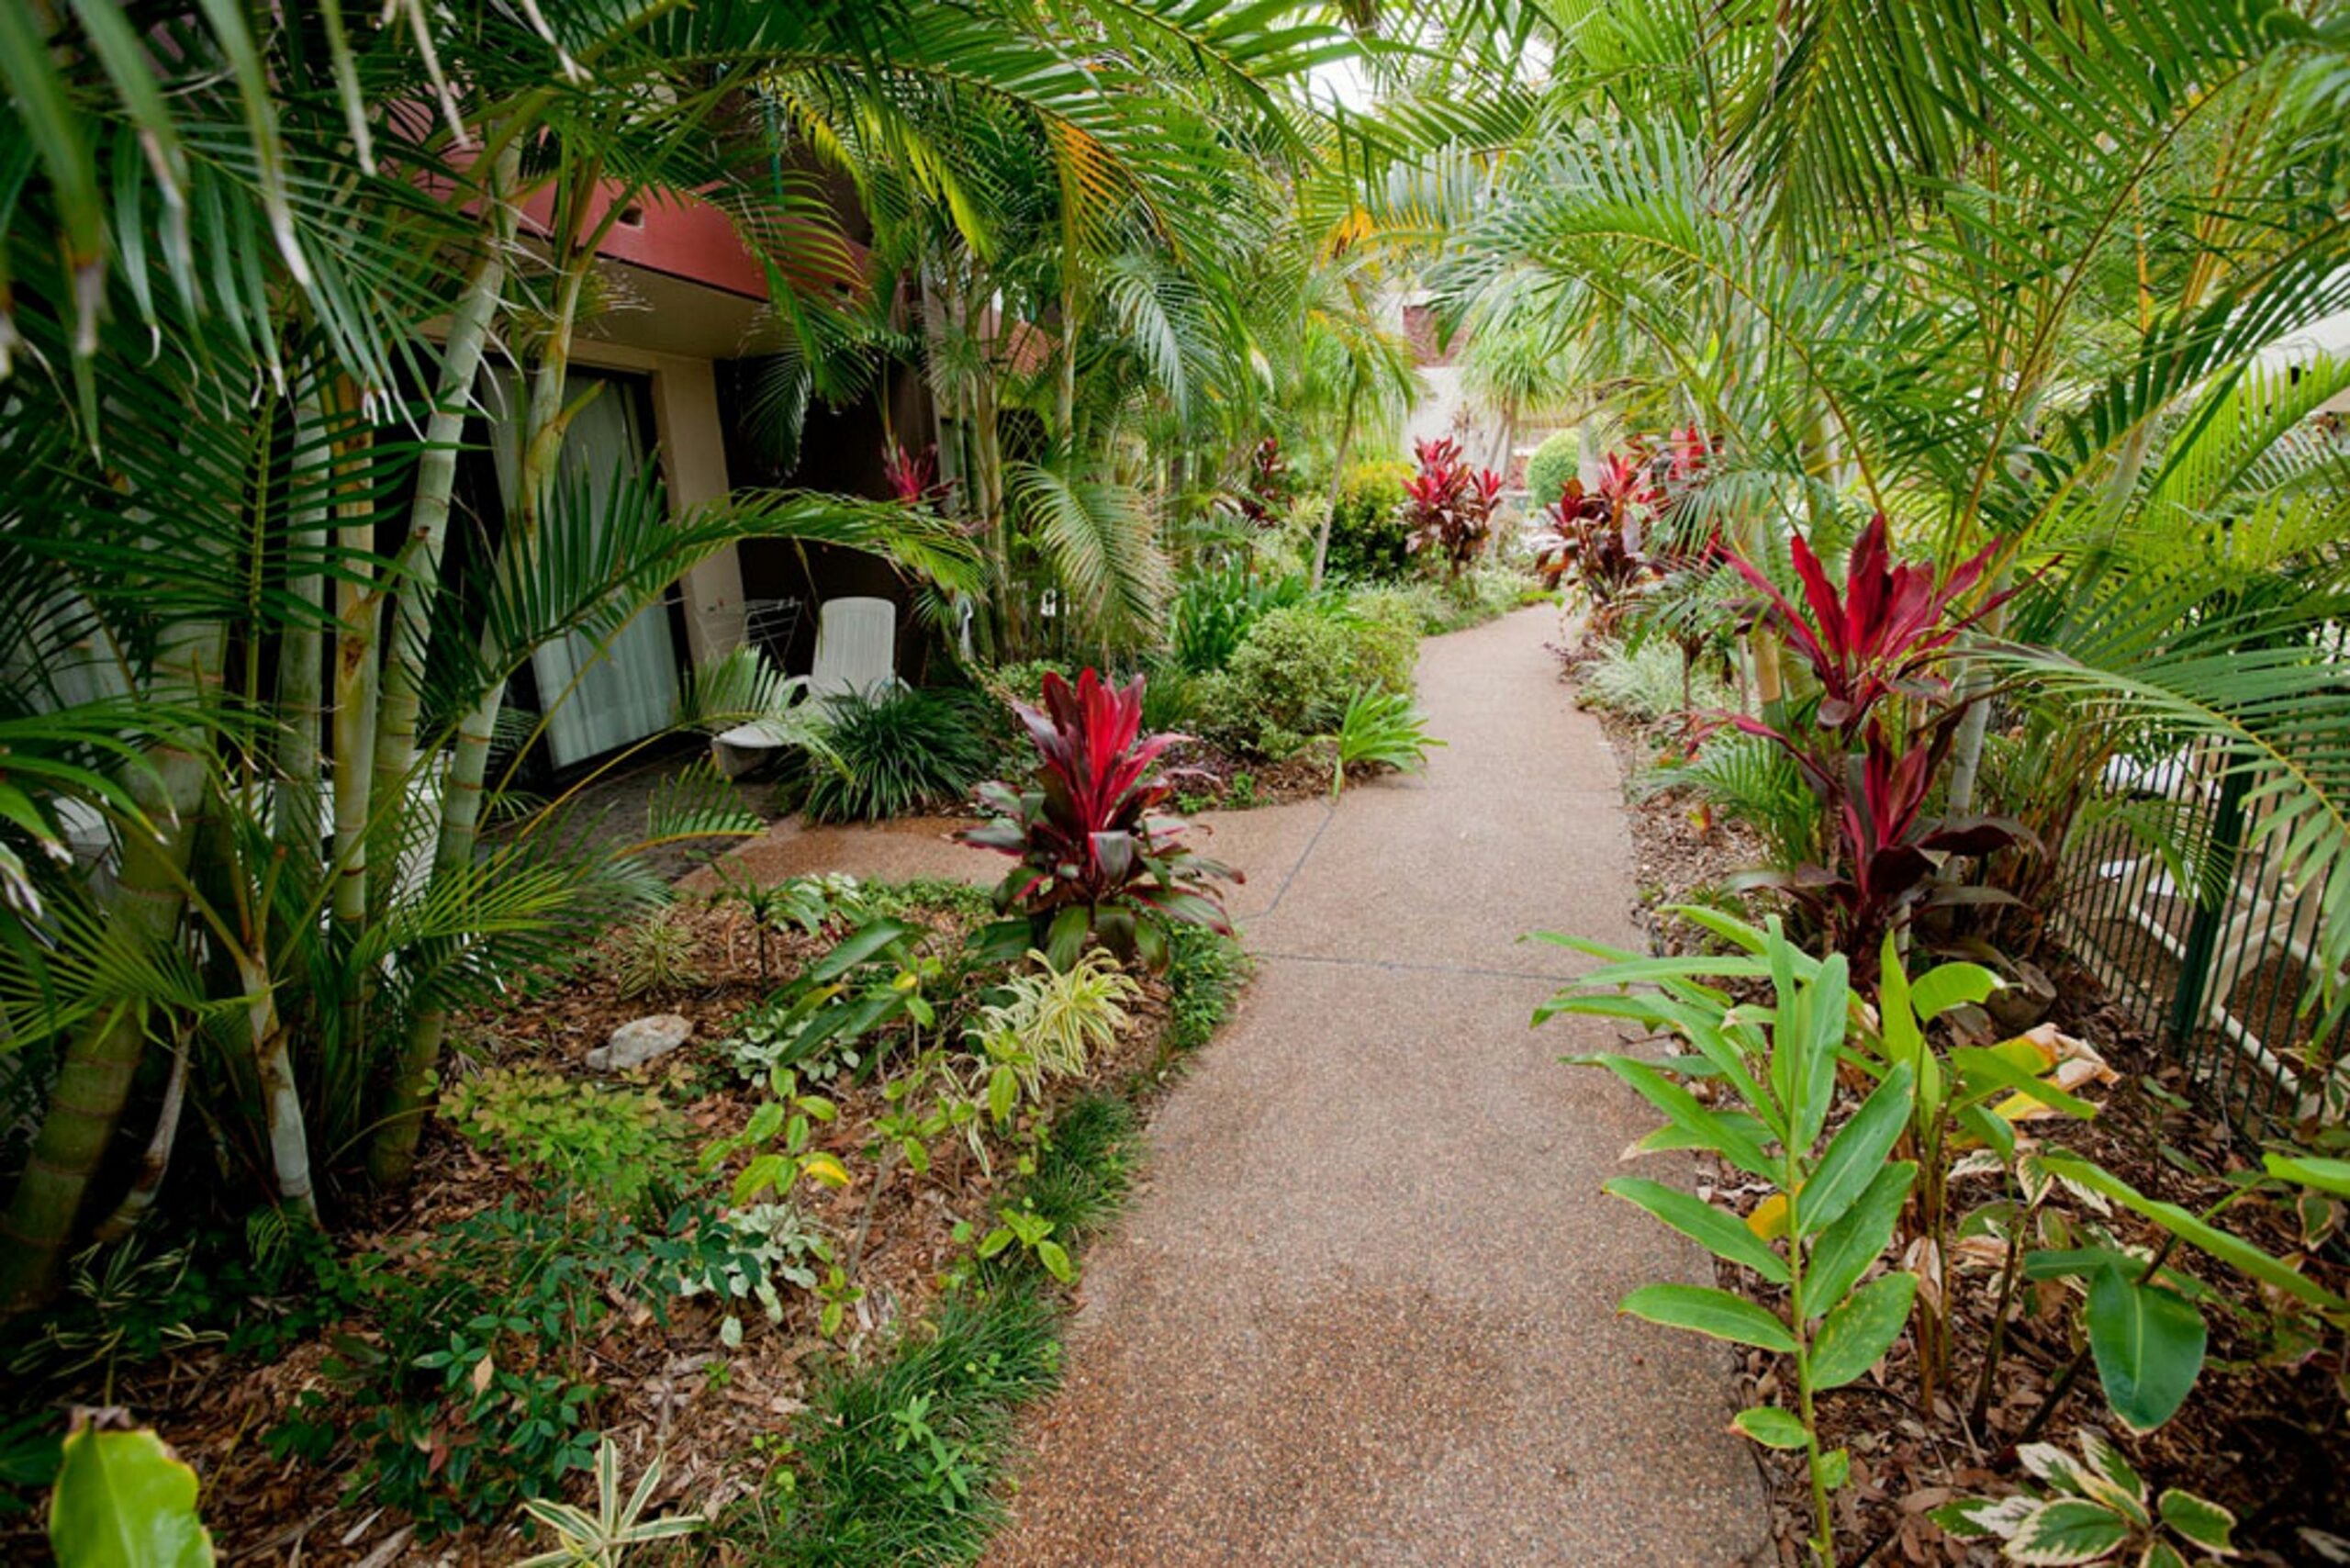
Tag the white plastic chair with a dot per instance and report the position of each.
(857, 648)
(857, 654)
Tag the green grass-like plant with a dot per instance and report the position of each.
(1384, 727)
(1204, 973)
(897, 752)
(897, 1457)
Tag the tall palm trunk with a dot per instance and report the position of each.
(419, 575)
(393, 1154)
(358, 615)
(94, 1080)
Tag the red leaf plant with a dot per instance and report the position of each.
(912, 476)
(1448, 506)
(1098, 863)
(1882, 635)
(1268, 487)
(1874, 763)
(1598, 534)
(1885, 869)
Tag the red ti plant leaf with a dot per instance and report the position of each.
(1882, 633)
(1448, 507)
(912, 476)
(1088, 835)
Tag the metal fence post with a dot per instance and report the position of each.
(2214, 899)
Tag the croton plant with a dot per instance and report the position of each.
(1098, 863)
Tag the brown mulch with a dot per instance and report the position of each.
(2263, 1431)
(677, 1390)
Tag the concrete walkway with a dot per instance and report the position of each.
(1362, 1310)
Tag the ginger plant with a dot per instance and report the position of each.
(1773, 1075)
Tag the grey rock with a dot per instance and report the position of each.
(641, 1040)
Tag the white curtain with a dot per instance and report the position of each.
(599, 699)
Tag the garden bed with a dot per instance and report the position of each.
(2263, 1429)
(263, 1422)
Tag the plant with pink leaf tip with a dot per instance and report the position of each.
(1881, 636)
(1099, 865)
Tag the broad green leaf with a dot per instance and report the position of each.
(1855, 1336)
(1855, 1155)
(2325, 1175)
(1946, 986)
(2161, 1554)
(2204, 1523)
(1845, 1251)
(1737, 932)
(2148, 1342)
(1056, 1259)
(1835, 1468)
(1772, 1427)
(1716, 1133)
(124, 1500)
(1705, 1310)
(2068, 1530)
(1722, 1232)
(2233, 1250)
(857, 947)
(1983, 1072)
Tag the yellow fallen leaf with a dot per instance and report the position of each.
(1769, 1219)
(826, 1169)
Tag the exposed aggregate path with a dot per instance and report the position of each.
(1361, 1309)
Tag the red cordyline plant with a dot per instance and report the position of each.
(1882, 635)
(1598, 534)
(1448, 506)
(1875, 762)
(912, 476)
(1098, 863)
(1268, 484)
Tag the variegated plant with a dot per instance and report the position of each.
(2094, 1507)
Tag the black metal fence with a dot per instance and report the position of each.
(2209, 935)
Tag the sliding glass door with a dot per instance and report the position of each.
(600, 698)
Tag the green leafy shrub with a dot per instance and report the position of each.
(613, 1145)
(1650, 682)
(1423, 606)
(1556, 461)
(1380, 727)
(471, 1388)
(817, 1023)
(1213, 609)
(1838, 1197)
(1293, 675)
(896, 752)
(1369, 538)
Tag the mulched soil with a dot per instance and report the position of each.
(674, 1390)
(2263, 1431)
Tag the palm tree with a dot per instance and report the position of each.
(1982, 271)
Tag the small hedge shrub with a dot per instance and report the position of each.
(1293, 674)
(1556, 461)
(1369, 540)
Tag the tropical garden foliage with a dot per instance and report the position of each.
(1983, 452)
